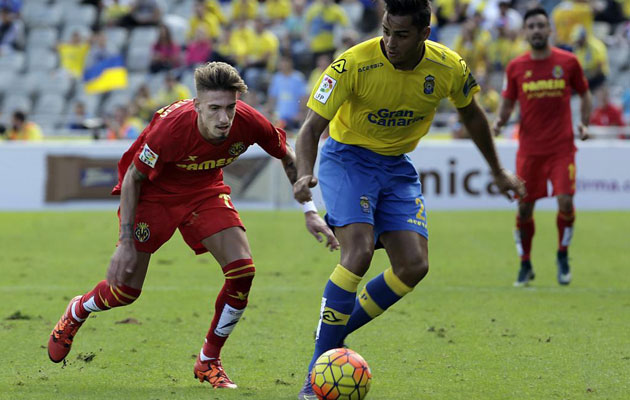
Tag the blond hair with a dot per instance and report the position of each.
(219, 76)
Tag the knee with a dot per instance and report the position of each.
(357, 258)
(413, 270)
(525, 211)
(565, 204)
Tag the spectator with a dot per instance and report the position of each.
(322, 17)
(504, 47)
(144, 104)
(122, 124)
(10, 32)
(241, 39)
(321, 64)
(99, 50)
(372, 16)
(349, 38)
(13, 6)
(593, 56)
(296, 42)
(73, 54)
(277, 10)
(21, 129)
(172, 92)
(262, 57)
(213, 7)
(78, 116)
(244, 9)
(450, 11)
(287, 95)
(114, 10)
(166, 53)
(143, 13)
(199, 49)
(606, 113)
(472, 44)
(209, 21)
(566, 16)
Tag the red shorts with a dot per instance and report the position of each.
(537, 170)
(197, 219)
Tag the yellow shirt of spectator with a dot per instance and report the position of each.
(474, 52)
(567, 16)
(373, 105)
(214, 8)
(322, 19)
(264, 47)
(447, 7)
(241, 42)
(593, 56)
(72, 57)
(30, 131)
(210, 24)
(247, 9)
(278, 9)
(178, 92)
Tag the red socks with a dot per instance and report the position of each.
(524, 235)
(230, 304)
(103, 297)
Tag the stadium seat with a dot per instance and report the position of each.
(6, 77)
(36, 13)
(143, 37)
(49, 123)
(92, 103)
(84, 14)
(50, 103)
(22, 83)
(116, 37)
(15, 101)
(135, 80)
(41, 59)
(116, 99)
(184, 9)
(178, 26)
(139, 58)
(68, 29)
(56, 81)
(42, 37)
(448, 34)
(13, 62)
(188, 79)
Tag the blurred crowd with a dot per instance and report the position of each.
(280, 47)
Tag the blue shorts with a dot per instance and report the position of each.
(361, 186)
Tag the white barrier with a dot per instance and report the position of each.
(454, 176)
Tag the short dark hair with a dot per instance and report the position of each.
(219, 76)
(535, 11)
(419, 10)
(19, 115)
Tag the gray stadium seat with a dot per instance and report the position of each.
(143, 37)
(41, 59)
(116, 99)
(116, 37)
(184, 9)
(50, 103)
(16, 101)
(56, 81)
(47, 122)
(6, 77)
(139, 58)
(92, 103)
(42, 37)
(13, 62)
(36, 13)
(135, 80)
(68, 30)
(448, 33)
(23, 84)
(84, 14)
(178, 26)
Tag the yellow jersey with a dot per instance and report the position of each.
(373, 105)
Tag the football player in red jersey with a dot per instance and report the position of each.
(542, 81)
(170, 179)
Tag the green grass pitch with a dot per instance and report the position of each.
(463, 333)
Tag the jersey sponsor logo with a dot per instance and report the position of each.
(191, 158)
(462, 62)
(557, 72)
(208, 164)
(364, 202)
(369, 67)
(385, 117)
(142, 232)
(339, 66)
(148, 156)
(325, 89)
(544, 84)
(236, 149)
(429, 84)
(469, 84)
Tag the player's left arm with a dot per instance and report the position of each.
(477, 125)
(586, 106)
(288, 163)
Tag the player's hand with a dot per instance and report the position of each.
(496, 127)
(583, 131)
(509, 184)
(302, 188)
(123, 263)
(317, 227)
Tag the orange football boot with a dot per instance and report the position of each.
(61, 337)
(212, 372)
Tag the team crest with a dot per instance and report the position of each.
(236, 149)
(429, 84)
(142, 232)
(528, 74)
(557, 72)
(364, 202)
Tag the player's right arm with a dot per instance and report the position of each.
(123, 263)
(507, 106)
(306, 147)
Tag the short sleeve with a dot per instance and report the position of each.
(510, 87)
(273, 140)
(464, 85)
(578, 79)
(158, 148)
(333, 87)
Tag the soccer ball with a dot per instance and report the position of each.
(341, 374)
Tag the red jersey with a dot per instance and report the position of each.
(608, 115)
(543, 88)
(178, 161)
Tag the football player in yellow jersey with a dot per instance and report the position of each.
(378, 99)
